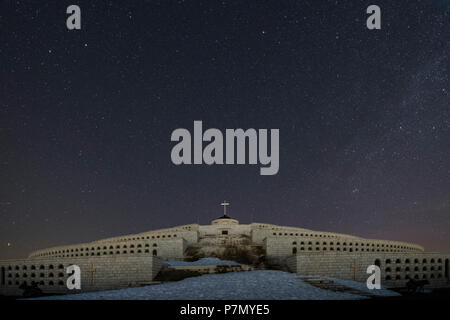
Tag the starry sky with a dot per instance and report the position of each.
(86, 117)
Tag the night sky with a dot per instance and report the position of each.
(86, 117)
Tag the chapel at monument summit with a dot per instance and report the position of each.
(136, 259)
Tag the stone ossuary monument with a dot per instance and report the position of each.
(136, 259)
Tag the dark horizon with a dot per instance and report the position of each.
(86, 118)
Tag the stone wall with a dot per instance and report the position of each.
(97, 273)
(223, 228)
(222, 241)
(283, 245)
(396, 268)
(172, 249)
(168, 248)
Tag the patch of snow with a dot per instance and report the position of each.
(203, 262)
(362, 286)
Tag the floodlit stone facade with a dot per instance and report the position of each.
(396, 268)
(133, 260)
(97, 273)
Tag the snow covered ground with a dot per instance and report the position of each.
(361, 286)
(203, 262)
(257, 285)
